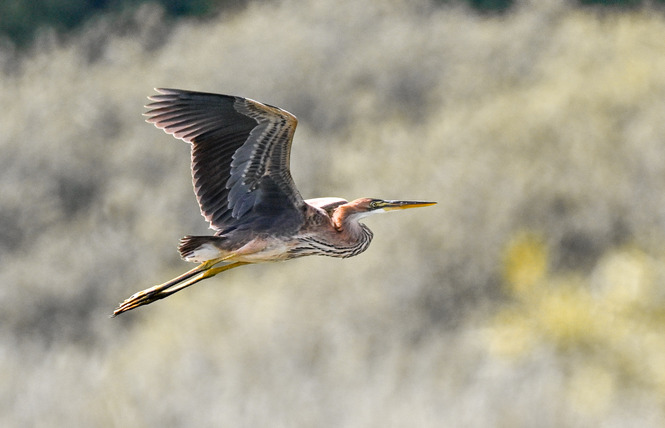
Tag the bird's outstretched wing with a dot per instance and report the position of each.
(240, 156)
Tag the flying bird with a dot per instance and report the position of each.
(240, 169)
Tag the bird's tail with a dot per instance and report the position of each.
(200, 248)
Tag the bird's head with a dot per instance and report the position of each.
(364, 207)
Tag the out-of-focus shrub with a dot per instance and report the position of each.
(604, 327)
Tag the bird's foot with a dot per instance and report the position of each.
(141, 298)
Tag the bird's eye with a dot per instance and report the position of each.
(374, 204)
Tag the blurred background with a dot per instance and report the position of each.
(531, 295)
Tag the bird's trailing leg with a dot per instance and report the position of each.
(149, 295)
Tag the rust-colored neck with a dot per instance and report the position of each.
(345, 218)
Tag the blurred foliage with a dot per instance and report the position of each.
(487, 6)
(19, 20)
(529, 296)
(604, 328)
(622, 4)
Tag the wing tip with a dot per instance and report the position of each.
(161, 92)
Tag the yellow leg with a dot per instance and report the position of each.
(200, 277)
(149, 295)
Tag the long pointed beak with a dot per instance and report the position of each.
(402, 205)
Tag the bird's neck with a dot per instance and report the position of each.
(347, 222)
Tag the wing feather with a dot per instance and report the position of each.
(240, 156)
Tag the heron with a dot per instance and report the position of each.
(240, 156)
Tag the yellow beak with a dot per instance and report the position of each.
(402, 205)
